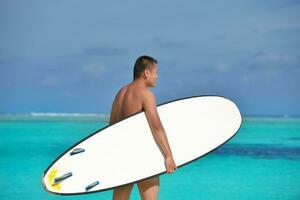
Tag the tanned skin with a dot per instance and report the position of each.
(133, 98)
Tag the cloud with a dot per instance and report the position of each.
(288, 32)
(281, 3)
(275, 58)
(221, 67)
(271, 59)
(94, 70)
(159, 42)
(6, 58)
(50, 81)
(221, 36)
(105, 51)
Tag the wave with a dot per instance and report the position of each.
(53, 117)
(49, 114)
(264, 151)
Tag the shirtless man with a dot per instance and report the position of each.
(134, 98)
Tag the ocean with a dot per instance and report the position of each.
(261, 162)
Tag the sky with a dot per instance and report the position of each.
(73, 56)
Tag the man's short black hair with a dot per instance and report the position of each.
(142, 63)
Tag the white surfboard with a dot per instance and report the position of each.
(126, 152)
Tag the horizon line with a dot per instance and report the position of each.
(73, 114)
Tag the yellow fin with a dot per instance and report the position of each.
(51, 177)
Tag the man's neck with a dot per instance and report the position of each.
(140, 83)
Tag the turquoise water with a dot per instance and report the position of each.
(261, 162)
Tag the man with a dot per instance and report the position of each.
(134, 98)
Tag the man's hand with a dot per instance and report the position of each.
(170, 164)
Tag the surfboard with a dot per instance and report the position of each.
(127, 152)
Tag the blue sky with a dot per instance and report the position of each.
(73, 56)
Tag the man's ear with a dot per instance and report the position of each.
(146, 73)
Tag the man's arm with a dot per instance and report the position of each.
(113, 114)
(149, 105)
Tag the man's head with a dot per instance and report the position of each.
(145, 67)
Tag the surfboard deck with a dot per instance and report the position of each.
(126, 152)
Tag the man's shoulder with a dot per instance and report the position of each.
(122, 90)
(148, 93)
(147, 96)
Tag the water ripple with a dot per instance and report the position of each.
(264, 151)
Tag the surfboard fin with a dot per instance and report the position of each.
(91, 186)
(61, 178)
(76, 151)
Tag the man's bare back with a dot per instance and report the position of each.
(131, 99)
(128, 101)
